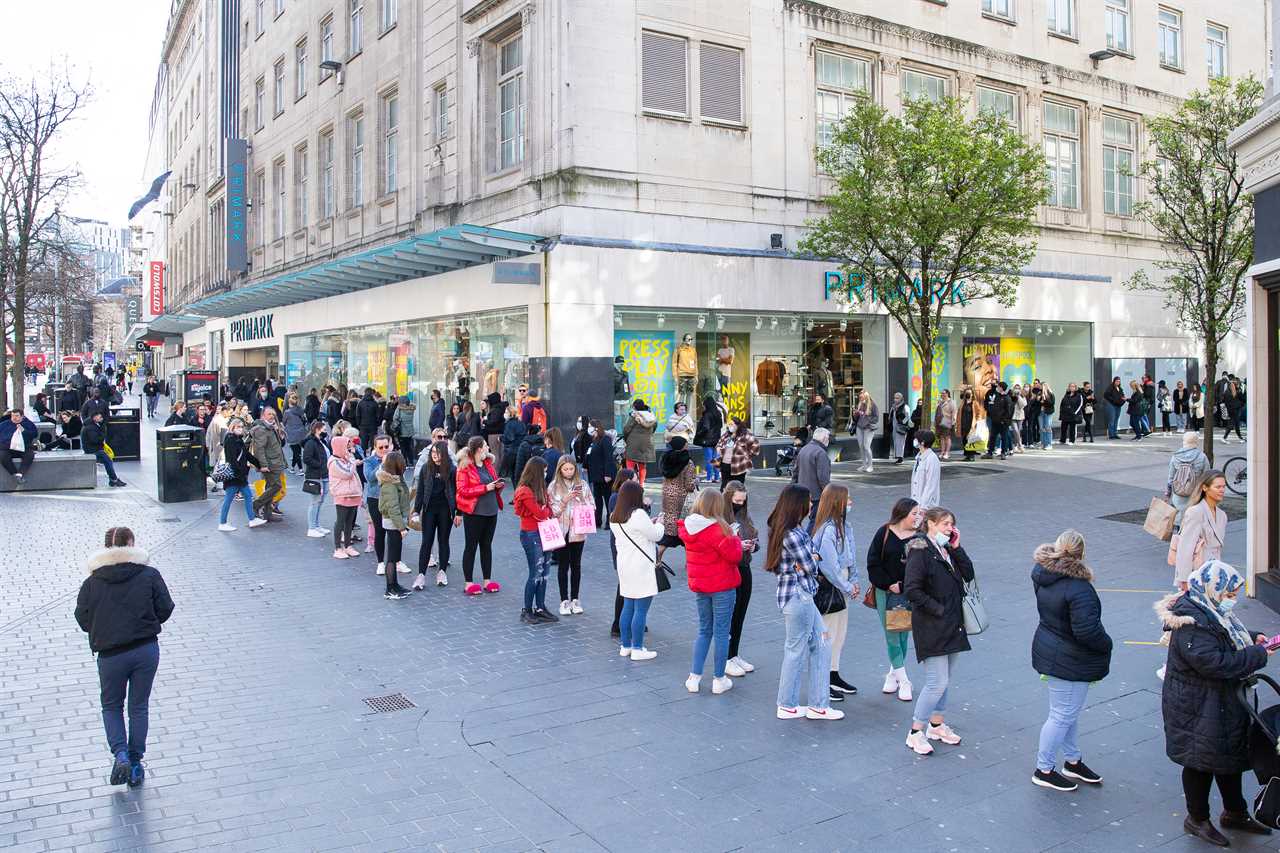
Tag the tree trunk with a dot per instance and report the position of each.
(1210, 403)
(19, 345)
(4, 355)
(926, 384)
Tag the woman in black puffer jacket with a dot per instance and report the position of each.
(1071, 649)
(1206, 728)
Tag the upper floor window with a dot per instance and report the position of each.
(278, 85)
(355, 159)
(664, 74)
(259, 97)
(917, 84)
(1216, 47)
(998, 8)
(390, 138)
(1119, 142)
(277, 185)
(1000, 102)
(300, 175)
(720, 83)
(260, 206)
(1117, 21)
(1170, 30)
(511, 102)
(1062, 17)
(259, 16)
(279, 8)
(1062, 153)
(326, 44)
(440, 100)
(326, 175)
(300, 69)
(840, 79)
(355, 27)
(390, 12)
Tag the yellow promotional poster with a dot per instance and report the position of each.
(1017, 360)
(377, 370)
(940, 365)
(731, 355)
(401, 345)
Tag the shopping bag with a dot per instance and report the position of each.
(1160, 517)
(551, 535)
(583, 520)
(897, 619)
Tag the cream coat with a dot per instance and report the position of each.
(636, 578)
(1197, 524)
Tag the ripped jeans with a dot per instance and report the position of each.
(807, 644)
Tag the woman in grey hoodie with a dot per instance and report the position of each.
(295, 430)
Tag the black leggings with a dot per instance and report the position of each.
(394, 542)
(569, 570)
(1196, 785)
(478, 530)
(379, 535)
(435, 522)
(600, 489)
(1233, 424)
(1087, 427)
(343, 525)
(1068, 433)
(739, 610)
(726, 478)
(297, 455)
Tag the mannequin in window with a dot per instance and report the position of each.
(724, 362)
(685, 369)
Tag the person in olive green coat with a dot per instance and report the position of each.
(394, 505)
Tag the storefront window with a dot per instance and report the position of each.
(765, 368)
(195, 357)
(464, 358)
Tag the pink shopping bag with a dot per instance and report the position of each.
(551, 535)
(584, 520)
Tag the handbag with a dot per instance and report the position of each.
(414, 522)
(311, 487)
(660, 568)
(869, 600)
(583, 520)
(1197, 556)
(551, 535)
(897, 619)
(975, 612)
(222, 472)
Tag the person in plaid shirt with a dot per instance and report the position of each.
(793, 557)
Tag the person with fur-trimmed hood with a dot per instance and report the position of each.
(1071, 649)
(1206, 728)
(637, 433)
(121, 606)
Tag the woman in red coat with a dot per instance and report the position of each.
(712, 556)
(479, 502)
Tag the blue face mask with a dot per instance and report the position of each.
(942, 539)
(1227, 603)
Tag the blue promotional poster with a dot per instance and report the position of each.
(647, 360)
(940, 365)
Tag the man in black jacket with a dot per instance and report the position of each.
(1115, 398)
(93, 437)
(994, 402)
(95, 405)
(821, 415)
(367, 419)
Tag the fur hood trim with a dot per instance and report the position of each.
(384, 478)
(645, 418)
(917, 542)
(1169, 619)
(116, 556)
(1067, 566)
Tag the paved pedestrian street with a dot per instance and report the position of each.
(264, 734)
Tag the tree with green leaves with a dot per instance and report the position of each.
(931, 209)
(1197, 203)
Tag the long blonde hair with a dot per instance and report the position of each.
(833, 507)
(560, 487)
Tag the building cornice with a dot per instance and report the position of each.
(177, 18)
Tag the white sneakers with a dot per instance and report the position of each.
(225, 528)
(420, 582)
(257, 522)
(564, 608)
(692, 683)
(904, 685)
(315, 533)
(823, 714)
(943, 733)
(785, 713)
(402, 568)
(645, 654)
(718, 685)
(890, 682)
(575, 608)
(737, 667)
(441, 578)
(341, 554)
(382, 568)
(433, 562)
(624, 652)
(918, 742)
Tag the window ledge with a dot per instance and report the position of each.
(502, 173)
(277, 113)
(387, 30)
(1122, 54)
(386, 198)
(1071, 37)
(1173, 68)
(353, 56)
(1000, 19)
(724, 123)
(297, 98)
(668, 116)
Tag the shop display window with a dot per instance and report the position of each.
(764, 368)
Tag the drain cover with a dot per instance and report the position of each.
(169, 520)
(387, 704)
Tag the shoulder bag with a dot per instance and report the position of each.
(660, 568)
(222, 472)
(311, 487)
(975, 612)
(869, 600)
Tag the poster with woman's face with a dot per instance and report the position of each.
(981, 369)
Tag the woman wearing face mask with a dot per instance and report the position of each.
(966, 424)
(738, 449)
(887, 572)
(345, 486)
(567, 492)
(833, 538)
(679, 480)
(937, 570)
(236, 454)
(707, 436)
(1206, 728)
(435, 502)
(637, 583)
(601, 470)
(581, 440)
(739, 519)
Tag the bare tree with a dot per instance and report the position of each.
(33, 115)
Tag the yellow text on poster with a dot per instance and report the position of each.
(1017, 360)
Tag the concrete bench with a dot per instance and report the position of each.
(55, 469)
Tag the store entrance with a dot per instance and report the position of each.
(253, 364)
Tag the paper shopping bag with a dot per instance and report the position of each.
(584, 520)
(551, 535)
(1159, 521)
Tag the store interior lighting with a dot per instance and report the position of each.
(1002, 330)
(617, 320)
(844, 326)
(759, 323)
(719, 322)
(951, 327)
(1060, 331)
(795, 324)
(982, 329)
(702, 321)
(964, 330)
(1019, 329)
(773, 324)
(662, 319)
(1039, 331)
(808, 326)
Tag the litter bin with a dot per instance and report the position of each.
(124, 433)
(179, 469)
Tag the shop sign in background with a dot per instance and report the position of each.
(736, 396)
(941, 364)
(1017, 360)
(647, 358)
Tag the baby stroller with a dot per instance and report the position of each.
(1263, 755)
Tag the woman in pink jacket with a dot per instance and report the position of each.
(347, 491)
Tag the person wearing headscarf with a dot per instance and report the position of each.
(1206, 728)
(679, 480)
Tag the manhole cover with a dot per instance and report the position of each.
(169, 520)
(387, 704)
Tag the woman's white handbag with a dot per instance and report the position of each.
(975, 612)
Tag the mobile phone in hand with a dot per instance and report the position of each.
(1274, 642)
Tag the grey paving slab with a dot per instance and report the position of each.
(542, 738)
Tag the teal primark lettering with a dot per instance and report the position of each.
(855, 287)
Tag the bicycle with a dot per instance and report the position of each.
(1236, 470)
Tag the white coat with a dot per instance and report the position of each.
(926, 480)
(636, 578)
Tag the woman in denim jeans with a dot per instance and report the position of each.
(1071, 649)
(793, 557)
(531, 506)
(712, 566)
(1046, 417)
(937, 570)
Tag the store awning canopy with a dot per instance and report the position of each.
(168, 324)
(423, 255)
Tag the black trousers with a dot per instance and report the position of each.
(6, 460)
(344, 523)
(297, 455)
(726, 478)
(1031, 432)
(1233, 424)
(600, 489)
(394, 544)
(1087, 426)
(569, 570)
(435, 523)
(478, 531)
(379, 535)
(739, 610)
(1196, 785)
(1068, 433)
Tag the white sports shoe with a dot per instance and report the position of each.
(904, 689)
(919, 742)
(433, 562)
(721, 685)
(731, 668)
(257, 522)
(943, 733)
(441, 578)
(420, 582)
(315, 533)
(795, 713)
(225, 528)
(742, 662)
(382, 568)
(823, 714)
(402, 568)
(692, 683)
(890, 683)
(564, 608)
(624, 652)
(643, 654)
(575, 607)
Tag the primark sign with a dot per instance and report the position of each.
(252, 329)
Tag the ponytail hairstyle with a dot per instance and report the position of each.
(119, 537)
